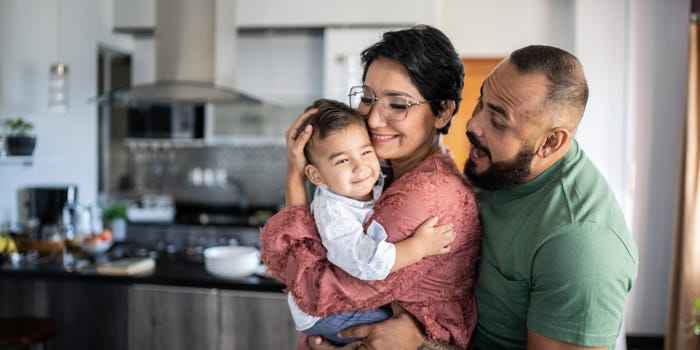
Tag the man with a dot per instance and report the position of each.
(557, 260)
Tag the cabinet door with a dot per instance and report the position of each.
(130, 15)
(172, 318)
(255, 320)
(88, 315)
(342, 67)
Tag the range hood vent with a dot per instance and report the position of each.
(175, 92)
(185, 41)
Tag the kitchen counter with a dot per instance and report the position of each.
(177, 306)
(169, 271)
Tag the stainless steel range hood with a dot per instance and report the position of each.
(185, 41)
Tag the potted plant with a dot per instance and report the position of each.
(114, 216)
(19, 141)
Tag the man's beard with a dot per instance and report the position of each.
(503, 174)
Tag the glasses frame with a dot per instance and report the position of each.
(376, 98)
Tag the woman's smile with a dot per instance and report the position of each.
(382, 138)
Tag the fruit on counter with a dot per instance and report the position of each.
(104, 236)
(7, 245)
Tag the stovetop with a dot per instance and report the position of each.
(185, 242)
(198, 214)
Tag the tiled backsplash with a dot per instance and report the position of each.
(237, 172)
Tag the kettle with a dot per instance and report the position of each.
(81, 220)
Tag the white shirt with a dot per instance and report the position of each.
(340, 222)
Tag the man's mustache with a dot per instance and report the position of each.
(475, 143)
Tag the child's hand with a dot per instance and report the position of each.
(426, 241)
(433, 240)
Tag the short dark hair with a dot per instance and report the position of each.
(567, 83)
(331, 116)
(430, 60)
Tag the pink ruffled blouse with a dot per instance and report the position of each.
(437, 291)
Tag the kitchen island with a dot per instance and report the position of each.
(177, 306)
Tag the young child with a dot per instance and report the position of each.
(346, 172)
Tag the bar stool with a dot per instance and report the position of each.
(23, 332)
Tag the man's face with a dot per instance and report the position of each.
(505, 128)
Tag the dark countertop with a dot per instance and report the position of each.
(171, 271)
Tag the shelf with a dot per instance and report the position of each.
(17, 160)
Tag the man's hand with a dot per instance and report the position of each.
(400, 332)
(317, 343)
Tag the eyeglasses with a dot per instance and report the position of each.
(393, 106)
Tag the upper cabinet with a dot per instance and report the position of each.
(138, 16)
(323, 13)
(134, 16)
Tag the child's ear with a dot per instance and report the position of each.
(313, 174)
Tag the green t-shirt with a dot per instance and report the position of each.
(557, 258)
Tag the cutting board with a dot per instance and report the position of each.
(127, 267)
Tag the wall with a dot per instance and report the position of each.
(635, 57)
(658, 49)
(67, 144)
(495, 28)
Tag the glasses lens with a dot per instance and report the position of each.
(395, 106)
(361, 99)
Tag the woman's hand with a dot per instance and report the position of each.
(296, 180)
(400, 332)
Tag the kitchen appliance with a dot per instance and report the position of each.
(41, 207)
(175, 121)
(190, 46)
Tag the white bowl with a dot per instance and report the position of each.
(95, 248)
(231, 262)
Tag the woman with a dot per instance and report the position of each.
(412, 87)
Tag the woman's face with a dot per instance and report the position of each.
(407, 140)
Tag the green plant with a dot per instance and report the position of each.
(18, 126)
(113, 211)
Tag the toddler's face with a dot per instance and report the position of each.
(345, 161)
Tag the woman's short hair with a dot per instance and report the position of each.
(430, 60)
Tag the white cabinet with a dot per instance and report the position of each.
(342, 67)
(322, 13)
(130, 15)
(140, 14)
(282, 66)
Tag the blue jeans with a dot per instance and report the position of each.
(328, 327)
